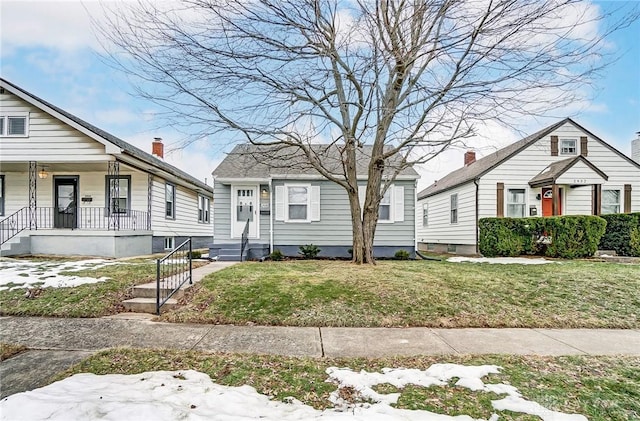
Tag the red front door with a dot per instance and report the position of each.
(547, 201)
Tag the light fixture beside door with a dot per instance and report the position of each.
(43, 172)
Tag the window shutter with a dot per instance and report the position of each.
(280, 203)
(627, 198)
(554, 145)
(500, 200)
(362, 191)
(583, 146)
(315, 203)
(398, 206)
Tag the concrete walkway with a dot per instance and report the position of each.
(56, 344)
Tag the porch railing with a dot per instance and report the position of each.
(85, 218)
(13, 224)
(244, 240)
(172, 271)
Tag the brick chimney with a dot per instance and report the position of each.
(157, 148)
(469, 158)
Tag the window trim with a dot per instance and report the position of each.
(425, 215)
(619, 204)
(453, 220)
(107, 193)
(561, 147)
(5, 116)
(204, 212)
(173, 201)
(286, 204)
(172, 243)
(391, 205)
(3, 194)
(507, 203)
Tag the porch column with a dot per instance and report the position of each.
(113, 171)
(555, 200)
(33, 205)
(149, 198)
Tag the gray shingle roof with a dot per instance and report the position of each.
(264, 161)
(126, 147)
(556, 169)
(487, 163)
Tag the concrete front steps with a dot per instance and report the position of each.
(144, 300)
(16, 246)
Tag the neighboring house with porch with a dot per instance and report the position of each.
(69, 188)
(283, 204)
(561, 170)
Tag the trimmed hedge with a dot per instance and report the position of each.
(622, 234)
(567, 237)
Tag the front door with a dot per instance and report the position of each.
(244, 207)
(547, 202)
(66, 203)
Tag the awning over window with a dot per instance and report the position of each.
(573, 171)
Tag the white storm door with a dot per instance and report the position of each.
(245, 205)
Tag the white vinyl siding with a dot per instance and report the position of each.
(516, 203)
(439, 208)
(610, 201)
(46, 138)
(1, 195)
(186, 212)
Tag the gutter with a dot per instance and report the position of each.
(475, 181)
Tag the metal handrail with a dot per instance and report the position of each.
(92, 218)
(14, 224)
(244, 239)
(172, 271)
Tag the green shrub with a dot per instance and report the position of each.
(309, 251)
(401, 255)
(195, 254)
(621, 235)
(567, 237)
(276, 255)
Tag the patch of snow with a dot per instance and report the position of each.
(500, 260)
(19, 273)
(191, 395)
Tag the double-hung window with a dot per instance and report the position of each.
(516, 203)
(454, 208)
(425, 215)
(610, 201)
(170, 201)
(568, 147)
(118, 193)
(384, 210)
(14, 124)
(203, 209)
(298, 203)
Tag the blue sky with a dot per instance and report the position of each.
(48, 48)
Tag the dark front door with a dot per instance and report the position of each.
(66, 203)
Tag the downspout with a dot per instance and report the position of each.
(271, 215)
(475, 181)
(416, 215)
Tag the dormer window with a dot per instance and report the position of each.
(568, 147)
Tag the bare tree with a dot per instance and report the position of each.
(407, 77)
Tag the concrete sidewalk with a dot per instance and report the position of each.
(57, 344)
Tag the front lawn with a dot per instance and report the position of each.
(87, 300)
(567, 294)
(600, 388)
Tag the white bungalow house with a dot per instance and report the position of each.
(69, 188)
(561, 170)
(283, 204)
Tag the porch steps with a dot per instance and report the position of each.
(144, 298)
(231, 255)
(16, 246)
